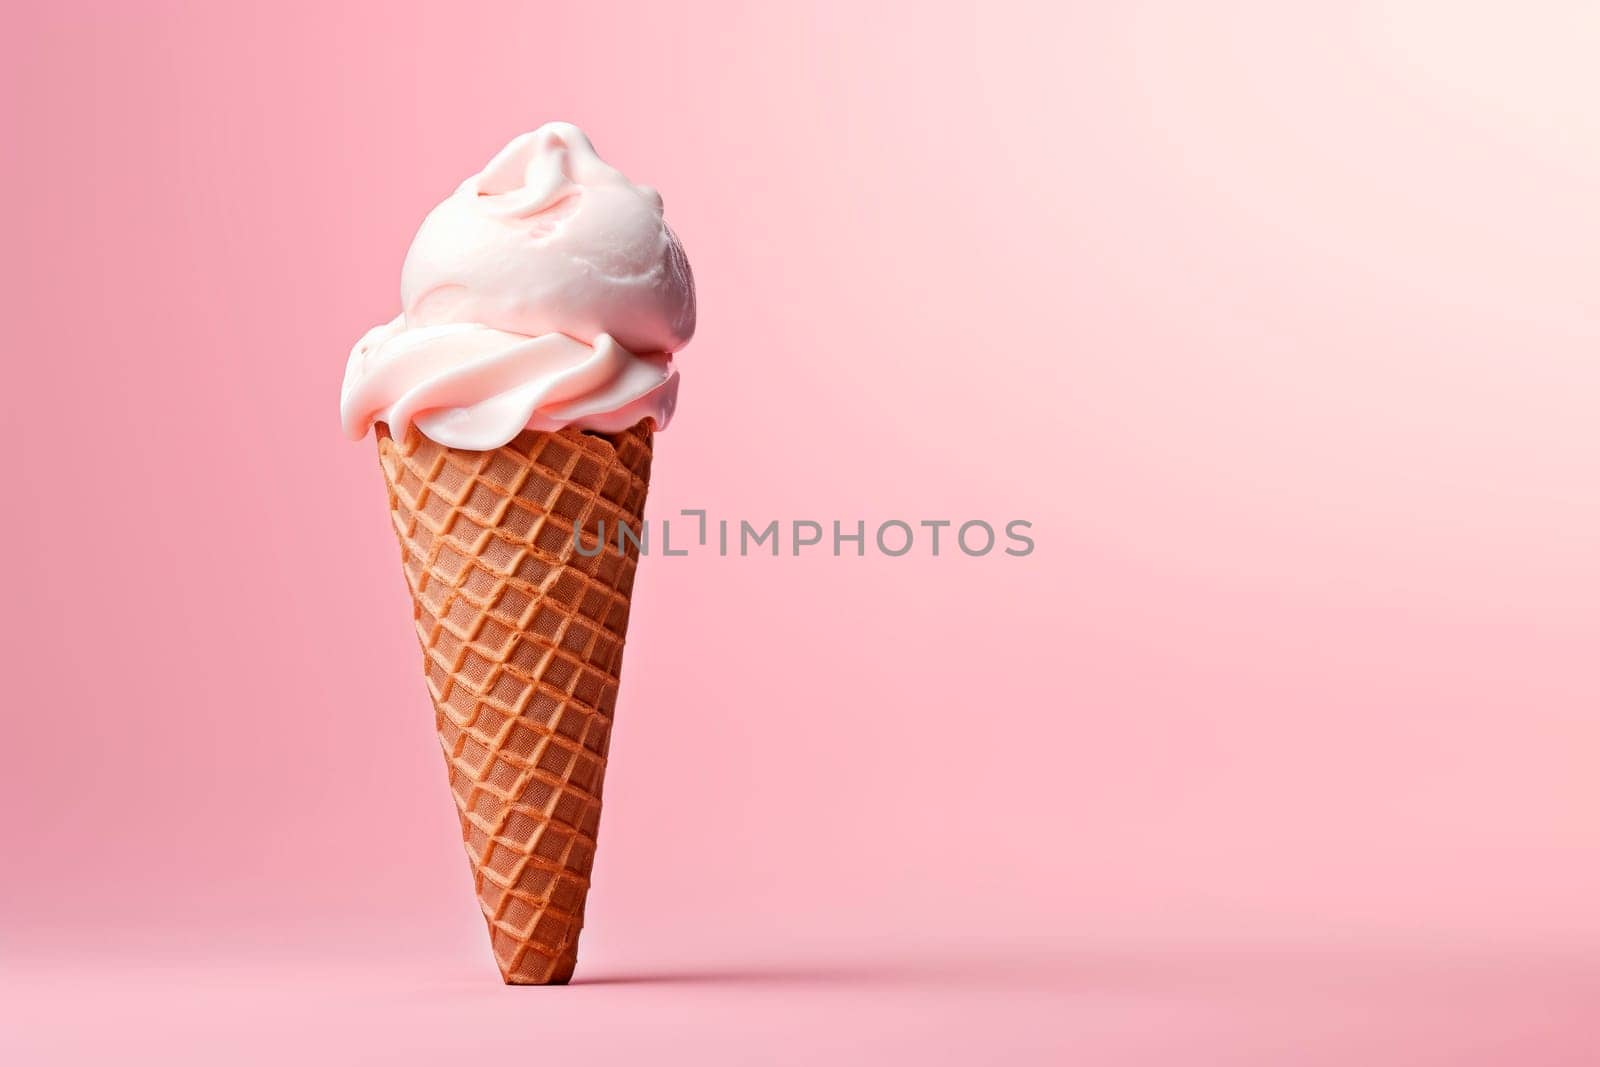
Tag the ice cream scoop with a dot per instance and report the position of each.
(546, 291)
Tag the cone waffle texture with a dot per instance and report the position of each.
(522, 647)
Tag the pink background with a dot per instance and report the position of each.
(1277, 320)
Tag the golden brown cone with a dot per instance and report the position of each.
(522, 648)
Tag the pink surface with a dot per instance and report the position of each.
(1280, 328)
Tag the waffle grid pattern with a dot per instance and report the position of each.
(522, 649)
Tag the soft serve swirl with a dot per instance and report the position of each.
(546, 291)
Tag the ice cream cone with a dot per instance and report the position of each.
(522, 640)
(515, 399)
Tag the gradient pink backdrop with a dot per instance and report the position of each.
(1279, 322)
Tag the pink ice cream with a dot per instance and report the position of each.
(546, 291)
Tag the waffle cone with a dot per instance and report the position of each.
(522, 648)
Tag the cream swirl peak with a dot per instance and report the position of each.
(546, 291)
